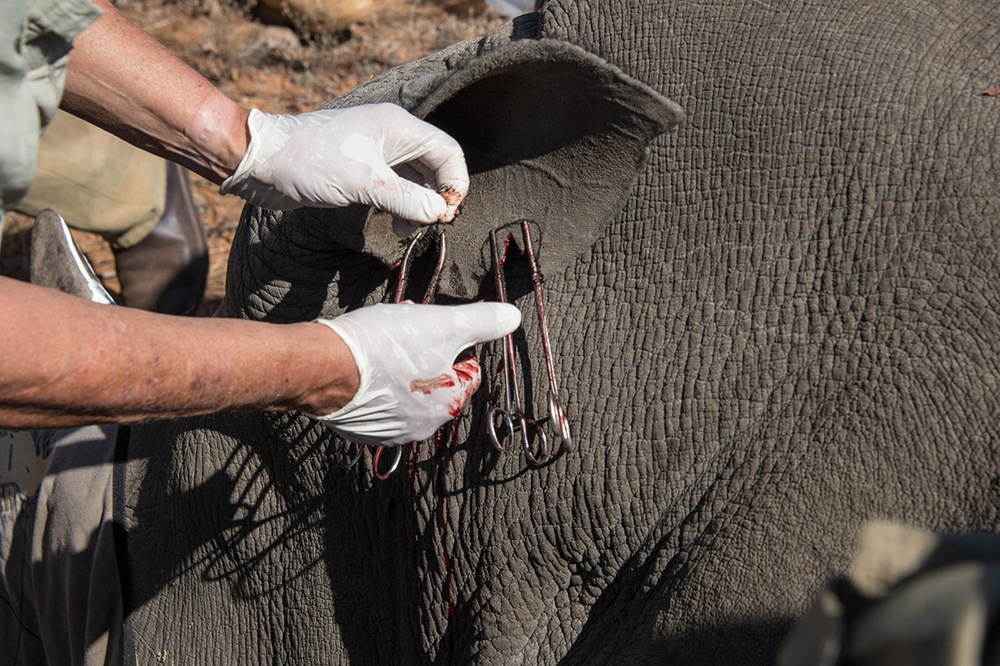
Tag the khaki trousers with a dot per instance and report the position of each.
(60, 590)
(97, 182)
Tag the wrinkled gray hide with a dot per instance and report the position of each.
(783, 323)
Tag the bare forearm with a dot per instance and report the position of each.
(65, 361)
(123, 80)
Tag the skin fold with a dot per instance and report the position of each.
(787, 328)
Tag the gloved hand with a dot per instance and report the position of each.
(335, 157)
(410, 384)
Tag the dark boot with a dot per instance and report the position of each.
(167, 270)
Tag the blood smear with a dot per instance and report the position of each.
(469, 377)
(426, 386)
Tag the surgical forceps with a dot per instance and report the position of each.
(513, 410)
(398, 297)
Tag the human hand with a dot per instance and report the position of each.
(335, 157)
(410, 383)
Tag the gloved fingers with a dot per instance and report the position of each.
(418, 172)
(437, 152)
(403, 228)
(476, 323)
(415, 172)
(445, 331)
(444, 171)
(412, 172)
(447, 163)
(405, 199)
(431, 151)
(441, 330)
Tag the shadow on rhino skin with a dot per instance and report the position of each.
(604, 639)
(217, 534)
(235, 511)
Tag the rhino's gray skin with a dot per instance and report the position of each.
(787, 326)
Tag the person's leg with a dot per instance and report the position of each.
(141, 204)
(60, 591)
(97, 182)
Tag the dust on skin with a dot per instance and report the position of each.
(467, 378)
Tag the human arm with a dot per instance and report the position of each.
(386, 373)
(123, 80)
(66, 361)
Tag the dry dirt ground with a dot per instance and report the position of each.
(276, 70)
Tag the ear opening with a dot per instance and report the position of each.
(546, 100)
(551, 134)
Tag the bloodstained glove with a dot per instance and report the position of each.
(336, 157)
(410, 383)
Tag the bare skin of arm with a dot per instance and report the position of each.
(121, 79)
(67, 361)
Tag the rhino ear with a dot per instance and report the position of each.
(551, 134)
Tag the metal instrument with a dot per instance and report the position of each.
(557, 415)
(508, 425)
(404, 276)
(509, 422)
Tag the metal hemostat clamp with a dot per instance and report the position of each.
(511, 419)
(404, 276)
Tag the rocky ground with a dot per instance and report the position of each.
(278, 69)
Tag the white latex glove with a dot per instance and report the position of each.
(335, 157)
(410, 384)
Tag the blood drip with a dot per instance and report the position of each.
(440, 449)
(442, 519)
(414, 458)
